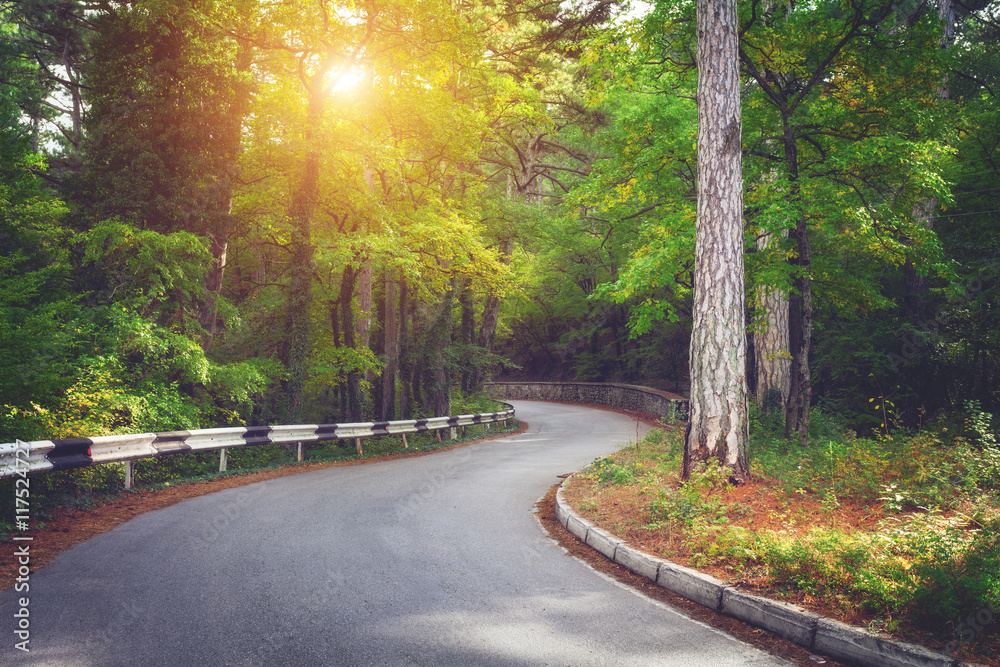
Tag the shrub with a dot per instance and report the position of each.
(953, 590)
(608, 471)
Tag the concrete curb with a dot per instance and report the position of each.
(854, 645)
(691, 584)
(785, 620)
(812, 631)
(642, 564)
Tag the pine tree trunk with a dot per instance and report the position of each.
(771, 345)
(717, 423)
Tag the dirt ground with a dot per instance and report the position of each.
(762, 639)
(766, 507)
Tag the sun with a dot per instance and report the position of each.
(349, 79)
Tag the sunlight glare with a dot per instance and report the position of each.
(349, 80)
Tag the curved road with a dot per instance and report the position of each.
(435, 560)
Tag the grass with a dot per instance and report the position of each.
(900, 532)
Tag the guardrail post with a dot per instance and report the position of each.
(298, 454)
(405, 446)
(357, 443)
(129, 471)
(453, 433)
(437, 434)
(223, 460)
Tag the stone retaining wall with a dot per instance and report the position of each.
(656, 403)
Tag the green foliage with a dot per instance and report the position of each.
(932, 560)
(607, 471)
(697, 500)
(924, 564)
(473, 404)
(152, 274)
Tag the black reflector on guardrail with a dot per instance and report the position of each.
(72, 453)
(326, 430)
(258, 435)
(420, 425)
(380, 428)
(171, 442)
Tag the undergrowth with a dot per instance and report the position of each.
(931, 562)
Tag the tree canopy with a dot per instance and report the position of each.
(216, 213)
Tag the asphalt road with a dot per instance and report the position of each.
(435, 560)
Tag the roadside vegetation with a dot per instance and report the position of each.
(899, 532)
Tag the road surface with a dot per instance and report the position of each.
(436, 560)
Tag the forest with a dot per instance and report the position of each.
(225, 213)
(258, 212)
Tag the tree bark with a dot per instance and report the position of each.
(793, 406)
(438, 340)
(771, 345)
(348, 321)
(391, 335)
(800, 310)
(406, 361)
(364, 320)
(229, 172)
(491, 316)
(297, 324)
(717, 423)
(219, 246)
(805, 289)
(467, 305)
(914, 301)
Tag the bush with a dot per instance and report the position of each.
(608, 471)
(698, 498)
(953, 590)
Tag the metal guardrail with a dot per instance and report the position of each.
(39, 456)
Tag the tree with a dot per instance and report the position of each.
(844, 126)
(166, 104)
(53, 37)
(717, 419)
